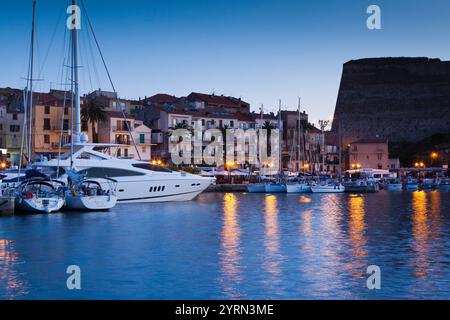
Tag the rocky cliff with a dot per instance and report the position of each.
(401, 99)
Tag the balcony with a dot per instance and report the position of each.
(121, 129)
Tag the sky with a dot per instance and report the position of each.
(259, 50)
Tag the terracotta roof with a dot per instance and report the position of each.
(213, 99)
(161, 98)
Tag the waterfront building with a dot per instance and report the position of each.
(118, 130)
(369, 153)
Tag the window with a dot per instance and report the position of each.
(125, 152)
(14, 128)
(100, 172)
(114, 105)
(66, 111)
(46, 138)
(220, 123)
(1, 126)
(46, 124)
(380, 156)
(14, 116)
(151, 189)
(119, 152)
(66, 124)
(47, 110)
(151, 167)
(122, 106)
(355, 148)
(232, 123)
(142, 138)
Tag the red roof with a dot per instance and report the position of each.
(213, 99)
(161, 98)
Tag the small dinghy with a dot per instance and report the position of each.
(89, 195)
(39, 195)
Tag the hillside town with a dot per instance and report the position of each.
(141, 129)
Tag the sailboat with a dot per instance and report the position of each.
(85, 194)
(258, 187)
(39, 195)
(301, 186)
(278, 187)
(137, 181)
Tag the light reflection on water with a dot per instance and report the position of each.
(243, 246)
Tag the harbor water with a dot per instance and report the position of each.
(235, 245)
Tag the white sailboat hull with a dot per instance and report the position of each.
(298, 188)
(40, 205)
(275, 188)
(90, 202)
(328, 189)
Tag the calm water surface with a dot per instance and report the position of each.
(244, 246)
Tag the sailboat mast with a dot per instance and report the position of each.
(280, 136)
(299, 133)
(75, 77)
(30, 86)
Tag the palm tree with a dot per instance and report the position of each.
(94, 113)
(267, 125)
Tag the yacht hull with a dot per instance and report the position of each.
(148, 191)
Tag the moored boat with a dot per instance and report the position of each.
(394, 185)
(328, 188)
(39, 196)
(411, 185)
(89, 195)
(443, 185)
(256, 188)
(275, 187)
(298, 188)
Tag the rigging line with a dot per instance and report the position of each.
(86, 59)
(51, 41)
(88, 65)
(63, 115)
(110, 79)
(60, 75)
(94, 63)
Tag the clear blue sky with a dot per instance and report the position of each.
(261, 50)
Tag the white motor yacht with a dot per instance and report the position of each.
(137, 181)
